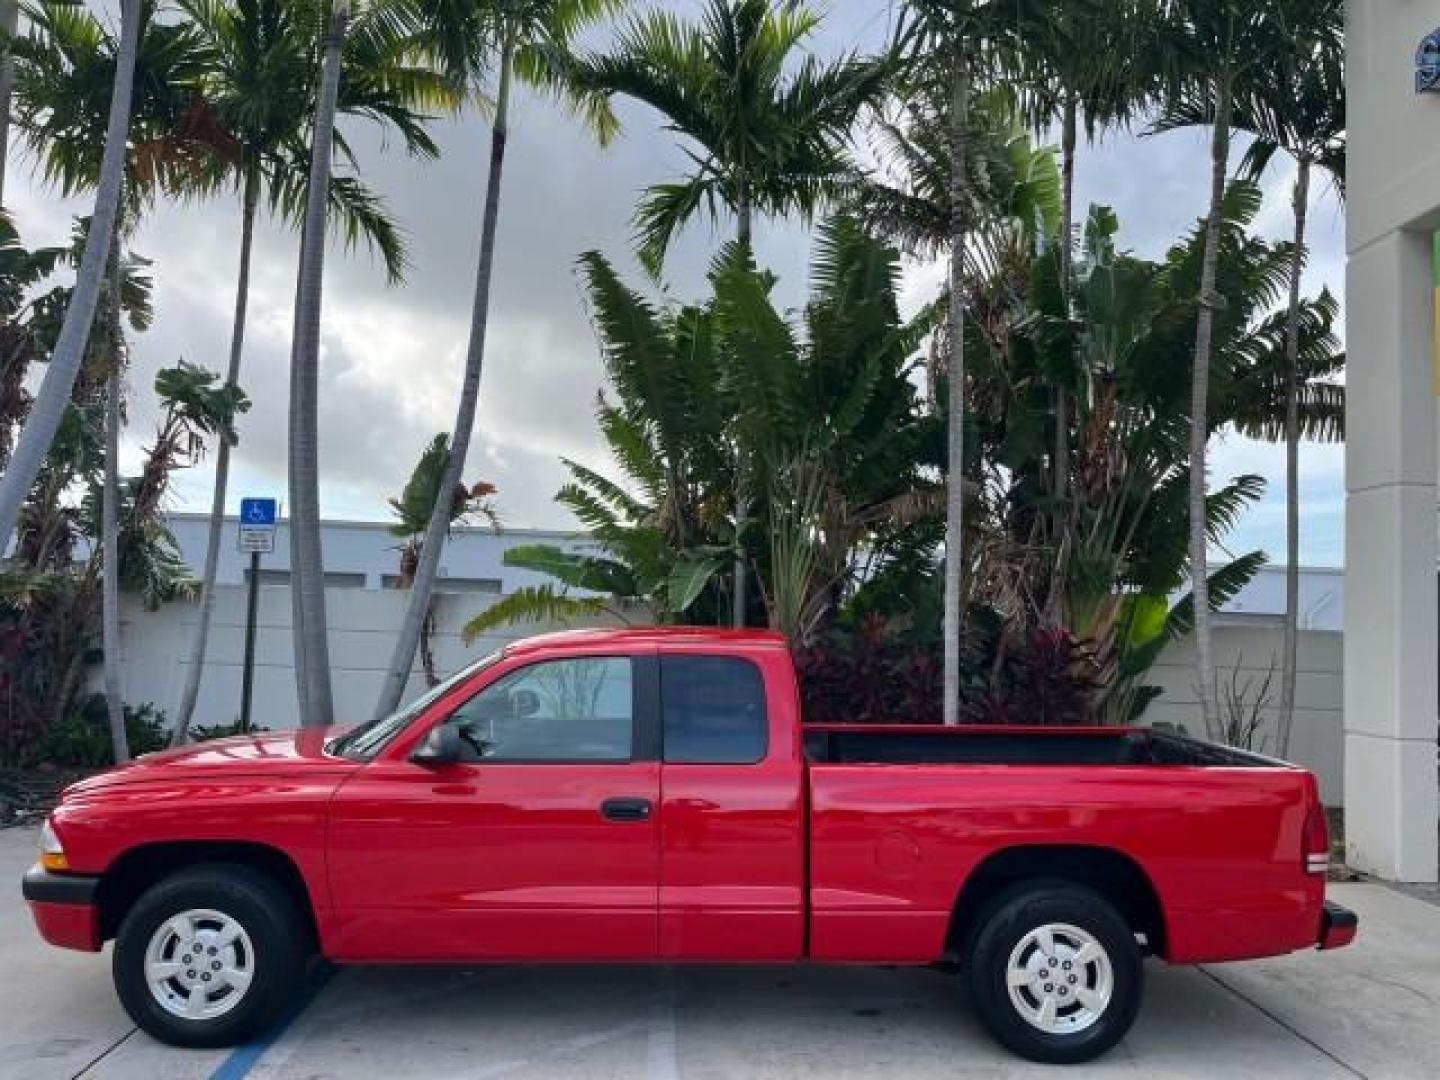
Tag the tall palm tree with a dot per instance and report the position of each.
(771, 132)
(54, 395)
(259, 88)
(1302, 112)
(1295, 106)
(65, 68)
(1086, 70)
(529, 40)
(309, 622)
(110, 517)
(1206, 49)
(954, 44)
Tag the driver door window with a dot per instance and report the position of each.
(574, 710)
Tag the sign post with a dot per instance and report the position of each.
(257, 537)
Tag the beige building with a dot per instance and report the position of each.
(1391, 648)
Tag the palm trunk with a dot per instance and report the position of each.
(427, 650)
(1199, 409)
(307, 560)
(1055, 612)
(110, 521)
(1067, 228)
(955, 381)
(402, 659)
(9, 25)
(195, 662)
(1290, 659)
(742, 514)
(65, 361)
(743, 212)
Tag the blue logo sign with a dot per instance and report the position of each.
(258, 513)
(1427, 65)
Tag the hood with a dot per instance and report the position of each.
(240, 755)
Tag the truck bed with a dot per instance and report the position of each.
(900, 816)
(913, 744)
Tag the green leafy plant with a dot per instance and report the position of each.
(82, 738)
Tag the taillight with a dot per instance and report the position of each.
(1317, 842)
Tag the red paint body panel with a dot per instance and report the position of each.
(1220, 846)
(493, 862)
(272, 791)
(68, 926)
(771, 861)
(733, 837)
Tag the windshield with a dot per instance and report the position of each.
(367, 740)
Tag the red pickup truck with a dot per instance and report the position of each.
(651, 795)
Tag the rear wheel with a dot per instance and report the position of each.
(209, 956)
(1054, 972)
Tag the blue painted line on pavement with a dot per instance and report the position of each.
(245, 1057)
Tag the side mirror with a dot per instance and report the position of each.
(440, 747)
(524, 703)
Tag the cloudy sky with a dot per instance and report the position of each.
(392, 357)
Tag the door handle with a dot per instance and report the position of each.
(626, 809)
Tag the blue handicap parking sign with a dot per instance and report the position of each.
(258, 512)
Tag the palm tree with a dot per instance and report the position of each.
(771, 132)
(258, 90)
(951, 43)
(1206, 50)
(412, 514)
(1296, 106)
(139, 551)
(66, 66)
(1087, 69)
(528, 40)
(110, 516)
(309, 623)
(54, 396)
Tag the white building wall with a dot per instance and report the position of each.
(363, 625)
(364, 552)
(1391, 630)
(1248, 650)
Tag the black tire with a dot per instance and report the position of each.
(279, 949)
(1005, 923)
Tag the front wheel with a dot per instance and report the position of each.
(1054, 972)
(209, 956)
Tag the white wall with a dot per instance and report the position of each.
(363, 625)
(1317, 736)
(366, 552)
(1391, 626)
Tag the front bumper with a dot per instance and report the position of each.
(1338, 926)
(65, 908)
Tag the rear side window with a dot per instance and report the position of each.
(714, 708)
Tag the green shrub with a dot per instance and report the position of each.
(82, 739)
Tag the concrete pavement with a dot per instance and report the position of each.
(1367, 1011)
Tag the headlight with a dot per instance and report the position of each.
(52, 852)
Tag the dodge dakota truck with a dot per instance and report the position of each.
(652, 796)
